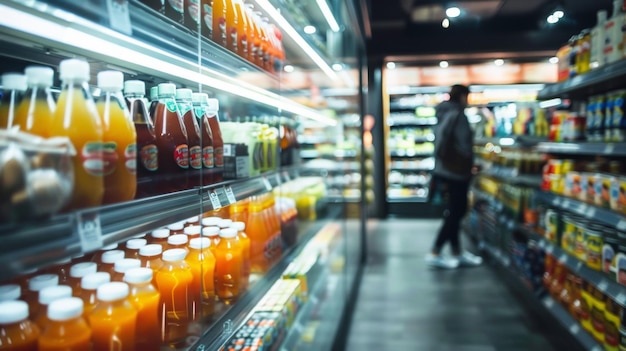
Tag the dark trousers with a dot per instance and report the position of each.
(454, 210)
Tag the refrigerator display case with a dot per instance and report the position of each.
(304, 255)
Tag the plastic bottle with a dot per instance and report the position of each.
(193, 15)
(219, 21)
(177, 241)
(242, 29)
(218, 142)
(17, 332)
(252, 45)
(35, 285)
(175, 9)
(238, 212)
(113, 321)
(193, 231)
(97, 256)
(225, 223)
(150, 256)
(597, 41)
(107, 262)
(133, 246)
(232, 23)
(61, 269)
(157, 5)
(145, 298)
(173, 281)
(213, 234)
(119, 140)
(171, 137)
(257, 231)
(89, 286)
(185, 106)
(206, 19)
(177, 228)
(10, 292)
(228, 266)
(122, 266)
(35, 112)
(614, 37)
(200, 106)
(192, 221)
(154, 101)
(66, 330)
(244, 242)
(147, 152)
(159, 236)
(46, 296)
(77, 272)
(202, 289)
(13, 86)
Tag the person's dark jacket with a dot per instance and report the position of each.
(454, 142)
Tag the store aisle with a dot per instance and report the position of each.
(405, 305)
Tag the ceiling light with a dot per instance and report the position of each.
(289, 68)
(391, 65)
(337, 67)
(554, 60)
(445, 23)
(453, 12)
(328, 14)
(498, 62)
(558, 14)
(552, 19)
(444, 64)
(310, 29)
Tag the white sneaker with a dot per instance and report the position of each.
(439, 261)
(468, 259)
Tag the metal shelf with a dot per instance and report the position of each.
(529, 180)
(583, 148)
(409, 154)
(600, 80)
(403, 199)
(513, 141)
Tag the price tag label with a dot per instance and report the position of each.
(89, 231)
(215, 200)
(603, 285)
(230, 195)
(119, 16)
(621, 225)
(266, 182)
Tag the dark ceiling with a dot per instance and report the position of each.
(410, 30)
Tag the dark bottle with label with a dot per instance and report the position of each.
(157, 5)
(154, 101)
(147, 151)
(171, 138)
(193, 15)
(218, 142)
(206, 19)
(185, 106)
(200, 106)
(175, 9)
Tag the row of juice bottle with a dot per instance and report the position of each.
(124, 149)
(232, 24)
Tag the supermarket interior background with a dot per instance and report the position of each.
(257, 175)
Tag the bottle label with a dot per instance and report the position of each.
(181, 156)
(193, 10)
(218, 154)
(91, 156)
(199, 112)
(207, 157)
(109, 157)
(177, 5)
(222, 34)
(171, 105)
(195, 157)
(184, 108)
(130, 153)
(150, 157)
(208, 17)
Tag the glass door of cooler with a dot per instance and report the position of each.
(167, 136)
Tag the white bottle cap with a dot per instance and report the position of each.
(193, 230)
(39, 75)
(65, 309)
(151, 250)
(80, 270)
(183, 94)
(10, 292)
(110, 247)
(52, 293)
(177, 226)
(210, 231)
(172, 255)
(125, 264)
(228, 233)
(240, 226)
(93, 280)
(110, 80)
(42, 281)
(112, 291)
(199, 243)
(225, 223)
(214, 105)
(167, 89)
(138, 275)
(136, 244)
(110, 257)
(194, 219)
(74, 69)
(211, 221)
(13, 81)
(134, 87)
(160, 233)
(13, 311)
(198, 98)
(154, 93)
(177, 239)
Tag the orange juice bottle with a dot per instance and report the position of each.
(265, 46)
(97, 256)
(219, 22)
(77, 272)
(76, 117)
(232, 23)
(212, 221)
(242, 29)
(225, 223)
(113, 321)
(133, 246)
(244, 242)
(159, 236)
(107, 262)
(17, 332)
(145, 297)
(177, 228)
(191, 221)
(239, 211)
(274, 219)
(60, 268)
(252, 50)
(202, 290)
(257, 231)
(177, 241)
(257, 37)
(192, 232)
(173, 282)
(119, 140)
(13, 86)
(89, 286)
(35, 285)
(34, 114)
(213, 234)
(150, 256)
(66, 330)
(122, 266)
(10, 292)
(228, 266)
(46, 296)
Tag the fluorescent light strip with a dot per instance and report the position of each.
(173, 66)
(289, 30)
(328, 14)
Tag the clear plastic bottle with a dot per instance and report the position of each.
(13, 86)
(173, 281)
(244, 242)
(77, 272)
(218, 143)
(35, 112)
(145, 297)
(202, 291)
(228, 266)
(154, 101)
(47, 296)
(150, 256)
(177, 241)
(200, 106)
(114, 319)
(107, 262)
(213, 233)
(89, 286)
(189, 120)
(66, 330)
(122, 266)
(17, 332)
(193, 231)
(159, 236)
(35, 285)
(133, 246)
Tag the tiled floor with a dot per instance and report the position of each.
(404, 305)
